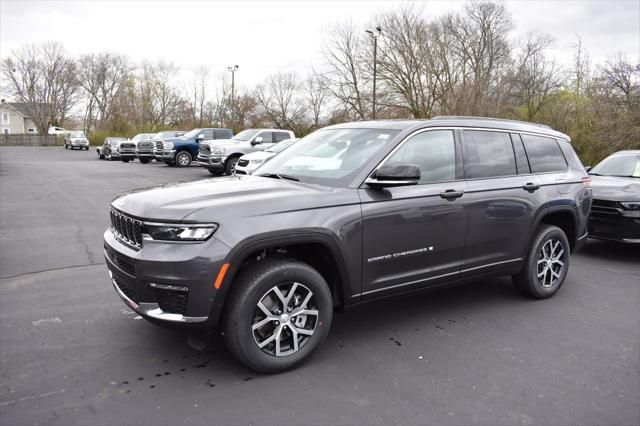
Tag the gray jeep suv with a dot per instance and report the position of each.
(351, 213)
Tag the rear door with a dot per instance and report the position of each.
(413, 237)
(502, 200)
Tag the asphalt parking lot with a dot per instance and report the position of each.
(72, 353)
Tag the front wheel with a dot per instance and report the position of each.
(546, 265)
(230, 167)
(144, 160)
(278, 314)
(183, 159)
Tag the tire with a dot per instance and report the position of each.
(230, 165)
(125, 161)
(183, 159)
(215, 172)
(546, 265)
(257, 284)
(144, 160)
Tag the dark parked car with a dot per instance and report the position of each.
(351, 213)
(615, 213)
(145, 150)
(181, 151)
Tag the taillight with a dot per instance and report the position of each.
(586, 181)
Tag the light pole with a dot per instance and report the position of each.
(375, 34)
(232, 70)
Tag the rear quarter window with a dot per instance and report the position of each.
(544, 154)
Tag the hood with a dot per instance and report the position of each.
(615, 188)
(76, 139)
(213, 200)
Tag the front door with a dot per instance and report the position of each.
(413, 236)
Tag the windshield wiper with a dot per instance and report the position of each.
(279, 176)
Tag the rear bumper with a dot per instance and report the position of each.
(169, 284)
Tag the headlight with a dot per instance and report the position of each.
(217, 151)
(168, 145)
(630, 205)
(256, 161)
(171, 232)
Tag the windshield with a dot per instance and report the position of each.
(192, 134)
(116, 141)
(77, 135)
(329, 157)
(281, 146)
(624, 165)
(245, 135)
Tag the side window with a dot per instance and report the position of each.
(521, 155)
(544, 154)
(280, 136)
(266, 137)
(221, 134)
(488, 154)
(433, 151)
(208, 134)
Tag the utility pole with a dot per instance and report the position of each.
(232, 70)
(375, 34)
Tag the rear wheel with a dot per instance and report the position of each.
(280, 311)
(230, 166)
(547, 264)
(183, 159)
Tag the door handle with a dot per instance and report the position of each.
(451, 194)
(531, 187)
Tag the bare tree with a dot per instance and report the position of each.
(44, 79)
(316, 97)
(104, 76)
(623, 78)
(197, 94)
(534, 78)
(280, 101)
(345, 76)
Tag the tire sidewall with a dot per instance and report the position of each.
(547, 233)
(244, 317)
(230, 167)
(183, 154)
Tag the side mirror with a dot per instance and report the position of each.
(257, 141)
(200, 137)
(395, 174)
(587, 169)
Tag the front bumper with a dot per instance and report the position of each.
(167, 283)
(164, 155)
(610, 222)
(212, 162)
(145, 154)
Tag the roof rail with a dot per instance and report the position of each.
(468, 117)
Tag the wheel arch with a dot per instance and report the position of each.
(564, 217)
(317, 248)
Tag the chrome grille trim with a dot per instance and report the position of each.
(126, 228)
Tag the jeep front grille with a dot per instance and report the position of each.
(127, 228)
(243, 163)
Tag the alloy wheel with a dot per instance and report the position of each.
(550, 262)
(284, 320)
(183, 159)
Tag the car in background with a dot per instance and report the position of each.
(53, 130)
(221, 156)
(76, 139)
(615, 211)
(181, 151)
(248, 163)
(128, 148)
(110, 148)
(145, 150)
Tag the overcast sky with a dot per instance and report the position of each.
(266, 37)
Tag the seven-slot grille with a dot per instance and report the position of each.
(243, 163)
(127, 228)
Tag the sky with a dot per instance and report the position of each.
(270, 36)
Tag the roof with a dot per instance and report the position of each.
(42, 109)
(454, 121)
